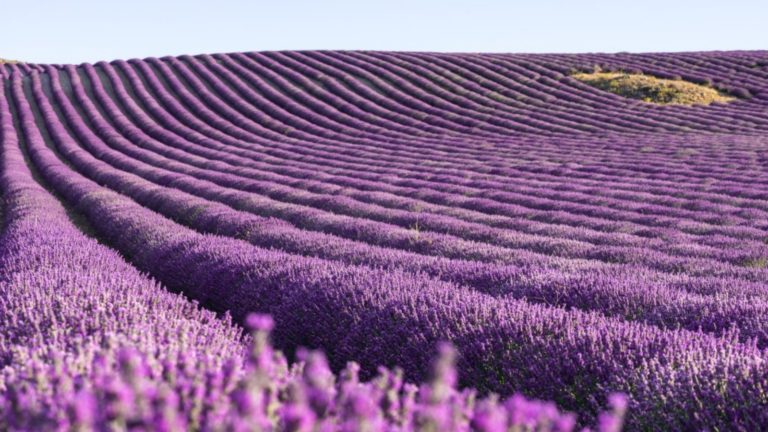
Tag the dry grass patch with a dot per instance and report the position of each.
(654, 90)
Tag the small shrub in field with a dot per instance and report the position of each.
(655, 90)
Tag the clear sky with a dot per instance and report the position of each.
(91, 30)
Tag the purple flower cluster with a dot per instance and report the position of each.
(262, 392)
(568, 243)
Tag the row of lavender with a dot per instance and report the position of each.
(87, 342)
(377, 306)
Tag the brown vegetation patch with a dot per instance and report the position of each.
(654, 90)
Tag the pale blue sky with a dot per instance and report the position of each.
(89, 30)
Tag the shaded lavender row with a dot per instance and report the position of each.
(388, 317)
(341, 99)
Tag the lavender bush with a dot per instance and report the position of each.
(122, 391)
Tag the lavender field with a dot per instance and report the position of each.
(484, 224)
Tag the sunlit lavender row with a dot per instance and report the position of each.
(571, 245)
